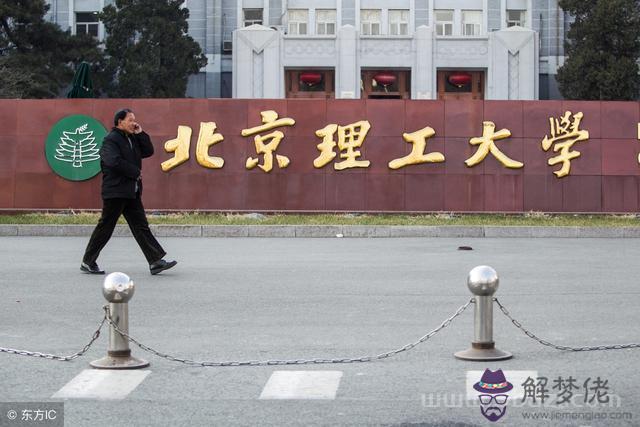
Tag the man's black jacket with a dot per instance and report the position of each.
(121, 163)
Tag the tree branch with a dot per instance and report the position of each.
(10, 36)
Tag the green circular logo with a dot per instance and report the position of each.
(73, 145)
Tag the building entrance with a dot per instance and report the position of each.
(456, 84)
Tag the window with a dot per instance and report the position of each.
(471, 22)
(252, 16)
(226, 84)
(370, 22)
(309, 84)
(516, 17)
(444, 22)
(460, 84)
(398, 22)
(385, 84)
(298, 19)
(325, 22)
(87, 23)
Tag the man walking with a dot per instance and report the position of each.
(121, 161)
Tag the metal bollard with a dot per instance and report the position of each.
(483, 283)
(118, 289)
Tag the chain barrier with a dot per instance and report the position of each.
(94, 337)
(563, 347)
(407, 347)
(107, 319)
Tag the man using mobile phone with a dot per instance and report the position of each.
(121, 162)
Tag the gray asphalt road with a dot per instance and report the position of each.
(247, 299)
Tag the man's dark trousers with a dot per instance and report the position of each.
(133, 212)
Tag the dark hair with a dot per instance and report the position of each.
(120, 115)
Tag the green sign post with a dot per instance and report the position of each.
(72, 147)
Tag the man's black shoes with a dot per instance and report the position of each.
(90, 268)
(161, 265)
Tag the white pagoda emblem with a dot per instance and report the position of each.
(77, 147)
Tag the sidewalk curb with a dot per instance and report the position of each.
(489, 231)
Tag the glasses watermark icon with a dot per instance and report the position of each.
(493, 388)
(486, 399)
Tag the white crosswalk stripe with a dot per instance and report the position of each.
(102, 384)
(302, 385)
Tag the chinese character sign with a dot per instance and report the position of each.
(269, 121)
(565, 132)
(486, 144)
(339, 155)
(347, 143)
(418, 141)
(350, 138)
(180, 147)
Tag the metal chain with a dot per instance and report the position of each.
(407, 347)
(94, 337)
(563, 347)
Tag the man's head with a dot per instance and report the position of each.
(125, 120)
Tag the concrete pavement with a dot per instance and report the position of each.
(283, 298)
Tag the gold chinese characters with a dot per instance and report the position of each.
(487, 145)
(564, 133)
(180, 147)
(418, 139)
(350, 138)
(269, 121)
(346, 142)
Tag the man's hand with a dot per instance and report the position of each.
(137, 128)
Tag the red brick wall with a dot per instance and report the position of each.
(603, 179)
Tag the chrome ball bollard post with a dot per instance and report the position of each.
(483, 283)
(118, 289)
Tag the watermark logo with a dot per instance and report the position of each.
(533, 396)
(23, 414)
(493, 388)
(72, 147)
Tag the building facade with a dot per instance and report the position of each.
(407, 49)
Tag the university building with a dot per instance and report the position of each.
(362, 49)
